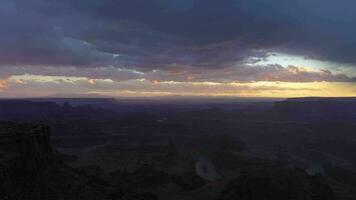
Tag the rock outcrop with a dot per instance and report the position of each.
(24, 149)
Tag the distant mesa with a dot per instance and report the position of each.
(317, 108)
(323, 99)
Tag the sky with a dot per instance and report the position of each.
(143, 48)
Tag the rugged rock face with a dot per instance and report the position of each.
(24, 149)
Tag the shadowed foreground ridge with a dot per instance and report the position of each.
(24, 149)
(30, 169)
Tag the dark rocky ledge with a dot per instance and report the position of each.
(24, 149)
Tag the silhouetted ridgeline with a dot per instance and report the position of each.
(317, 108)
(46, 111)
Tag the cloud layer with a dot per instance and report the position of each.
(177, 40)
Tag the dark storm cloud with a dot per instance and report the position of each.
(166, 34)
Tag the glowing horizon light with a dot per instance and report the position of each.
(2, 85)
(37, 85)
